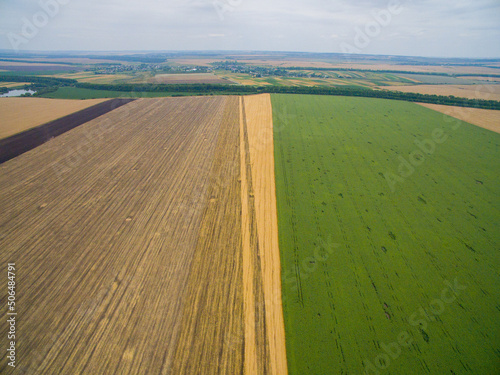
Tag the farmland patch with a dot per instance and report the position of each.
(114, 236)
(130, 232)
(19, 114)
(380, 280)
(188, 78)
(483, 91)
(485, 118)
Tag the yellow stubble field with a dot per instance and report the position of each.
(13, 84)
(486, 92)
(19, 114)
(146, 242)
(484, 118)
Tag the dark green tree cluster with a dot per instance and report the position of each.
(42, 85)
(49, 81)
(317, 90)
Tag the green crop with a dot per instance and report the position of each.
(388, 227)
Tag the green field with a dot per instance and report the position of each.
(80, 93)
(382, 206)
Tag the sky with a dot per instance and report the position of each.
(430, 28)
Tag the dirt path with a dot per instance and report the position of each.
(258, 124)
(248, 264)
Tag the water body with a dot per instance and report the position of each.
(12, 93)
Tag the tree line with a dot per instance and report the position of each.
(317, 90)
(38, 80)
(42, 85)
(49, 84)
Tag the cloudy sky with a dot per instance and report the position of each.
(442, 28)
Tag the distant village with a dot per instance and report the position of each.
(227, 66)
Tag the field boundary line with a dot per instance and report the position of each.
(250, 359)
(259, 125)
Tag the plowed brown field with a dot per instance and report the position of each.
(136, 256)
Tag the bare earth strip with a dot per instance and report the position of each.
(259, 125)
(485, 118)
(486, 92)
(19, 114)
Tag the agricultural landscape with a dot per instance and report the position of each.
(112, 225)
(251, 213)
(369, 236)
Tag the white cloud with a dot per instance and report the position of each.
(454, 26)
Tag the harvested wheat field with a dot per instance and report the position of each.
(13, 84)
(27, 140)
(29, 64)
(484, 118)
(486, 92)
(481, 78)
(421, 68)
(131, 248)
(260, 220)
(19, 114)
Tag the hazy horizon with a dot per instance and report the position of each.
(439, 29)
(42, 52)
